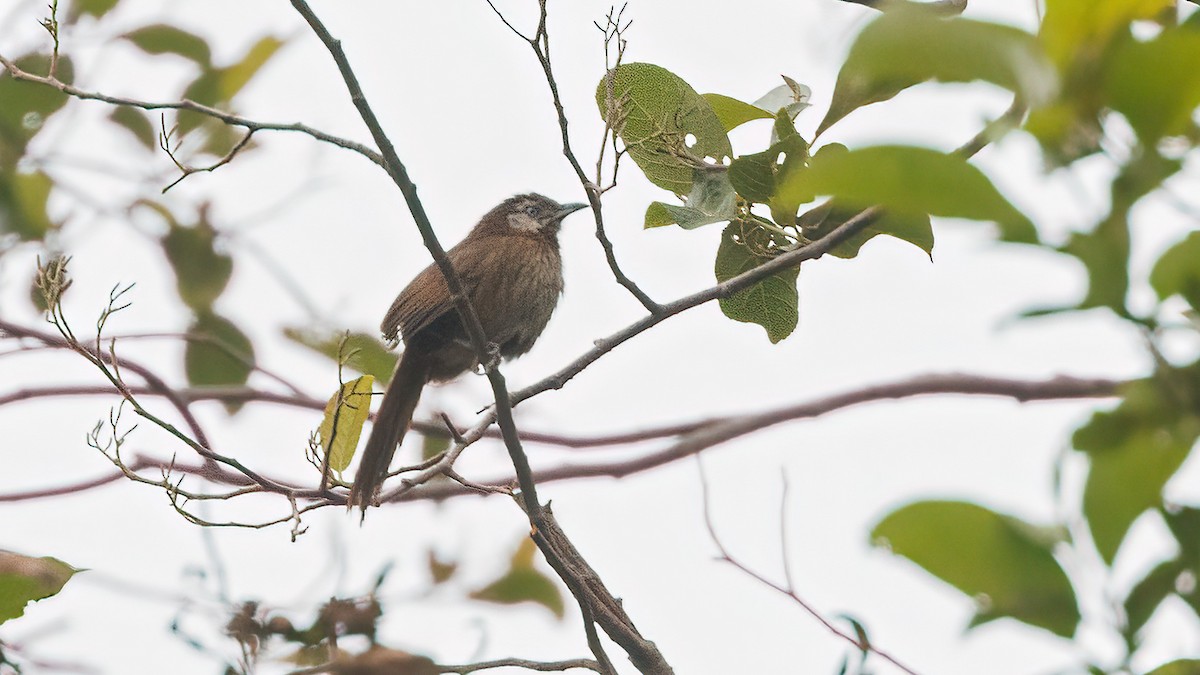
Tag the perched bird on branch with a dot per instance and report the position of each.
(511, 271)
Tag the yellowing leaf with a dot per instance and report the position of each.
(345, 415)
(734, 113)
(24, 580)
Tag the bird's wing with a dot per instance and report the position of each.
(426, 298)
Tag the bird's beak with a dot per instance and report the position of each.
(567, 209)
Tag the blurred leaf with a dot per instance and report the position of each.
(734, 113)
(440, 571)
(164, 39)
(1178, 271)
(1081, 37)
(907, 181)
(24, 580)
(654, 113)
(1184, 522)
(432, 446)
(712, 200)
(1180, 667)
(1148, 594)
(367, 354)
(523, 583)
(201, 272)
(345, 415)
(1134, 449)
(96, 8)
(379, 660)
(134, 121)
(821, 220)
(1157, 98)
(907, 45)
(217, 354)
(28, 105)
(23, 198)
(1004, 564)
(238, 75)
(772, 303)
(1104, 251)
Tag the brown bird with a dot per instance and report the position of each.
(511, 270)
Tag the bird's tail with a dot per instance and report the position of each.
(391, 423)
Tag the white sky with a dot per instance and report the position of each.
(469, 112)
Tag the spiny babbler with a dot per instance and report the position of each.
(511, 270)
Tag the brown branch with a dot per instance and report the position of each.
(788, 590)
(538, 666)
(226, 117)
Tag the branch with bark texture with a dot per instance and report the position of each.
(693, 437)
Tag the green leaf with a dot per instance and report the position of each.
(1134, 449)
(1148, 594)
(216, 87)
(756, 176)
(1180, 667)
(164, 39)
(432, 446)
(908, 181)
(734, 113)
(201, 272)
(27, 105)
(96, 8)
(907, 45)
(217, 354)
(367, 354)
(1178, 271)
(135, 122)
(654, 112)
(1006, 565)
(1184, 523)
(523, 583)
(24, 580)
(345, 415)
(820, 221)
(774, 302)
(712, 200)
(23, 198)
(1146, 86)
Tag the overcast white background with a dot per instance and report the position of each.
(470, 114)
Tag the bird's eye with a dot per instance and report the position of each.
(533, 210)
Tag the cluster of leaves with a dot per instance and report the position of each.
(1090, 65)
(679, 139)
(218, 352)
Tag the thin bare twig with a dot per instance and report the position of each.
(788, 590)
(537, 666)
(540, 44)
(215, 113)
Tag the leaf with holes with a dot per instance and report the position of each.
(667, 128)
(1005, 564)
(345, 415)
(774, 302)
